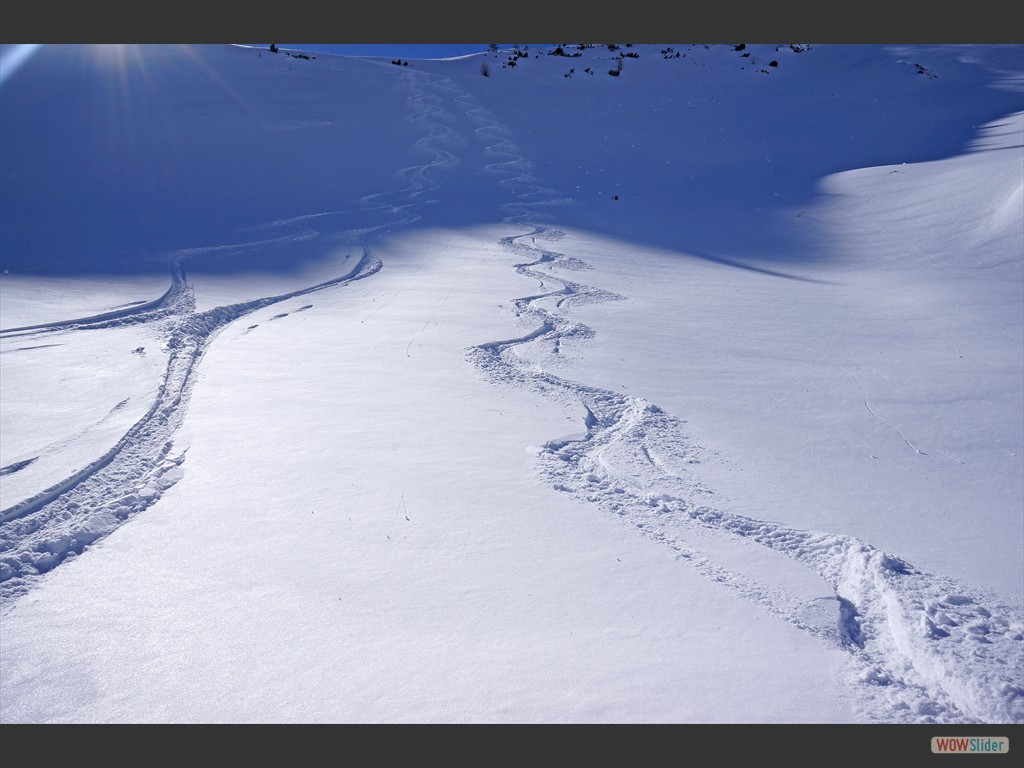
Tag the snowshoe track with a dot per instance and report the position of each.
(924, 649)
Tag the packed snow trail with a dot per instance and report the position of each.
(40, 532)
(925, 648)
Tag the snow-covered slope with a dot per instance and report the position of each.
(508, 389)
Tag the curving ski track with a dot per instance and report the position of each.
(923, 648)
(39, 533)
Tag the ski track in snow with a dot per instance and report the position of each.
(39, 533)
(923, 648)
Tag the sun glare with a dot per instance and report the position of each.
(118, 57)
(13, 57)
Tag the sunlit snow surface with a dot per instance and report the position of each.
(340, 391)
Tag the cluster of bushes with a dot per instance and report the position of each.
(618, 59)
(275, 49)
(560, 51)
(512, 58)
(516, 55)
(772, 63)
(666, 53)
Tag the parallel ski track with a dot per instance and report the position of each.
(39, 533)
(926, 648)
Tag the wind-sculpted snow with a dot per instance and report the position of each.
(925, 648)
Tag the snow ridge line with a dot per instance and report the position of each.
(39, 533)
(928, 649)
